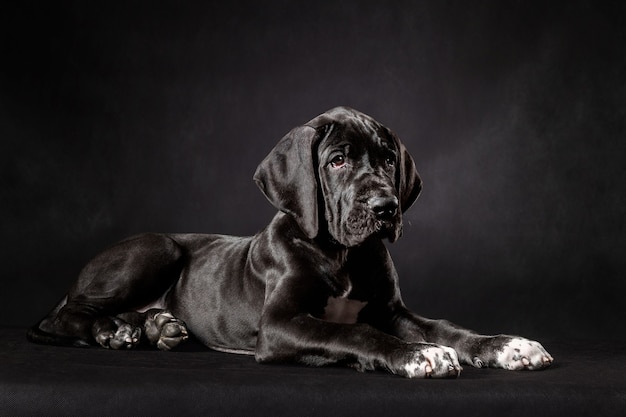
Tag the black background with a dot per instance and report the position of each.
(123, 117)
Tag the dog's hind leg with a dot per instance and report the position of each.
(156, 326)
(81, 325)
(101, 307)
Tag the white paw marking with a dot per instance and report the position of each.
(522, 353)
(434, 361)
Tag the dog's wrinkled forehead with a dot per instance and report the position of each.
(345, 116)
(347, 123)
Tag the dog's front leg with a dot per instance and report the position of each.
(308, 340)
(500, 351)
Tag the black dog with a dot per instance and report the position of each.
(317, 286)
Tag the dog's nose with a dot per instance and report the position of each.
(383, 207)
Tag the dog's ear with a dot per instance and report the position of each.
(408, 181)
(287, 178)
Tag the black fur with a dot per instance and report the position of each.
(316, 286)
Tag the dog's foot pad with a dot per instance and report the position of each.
(166, 331)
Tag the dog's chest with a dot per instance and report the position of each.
(343, 310)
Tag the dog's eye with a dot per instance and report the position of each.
(338, 161)
(390, 160)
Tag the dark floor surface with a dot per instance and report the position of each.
(587, 378)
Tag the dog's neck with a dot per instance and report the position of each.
(330, 245)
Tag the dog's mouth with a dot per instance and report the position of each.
(363, 226)
(386, 229)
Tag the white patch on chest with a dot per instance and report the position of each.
(342, 310)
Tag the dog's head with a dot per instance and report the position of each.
(346, 169)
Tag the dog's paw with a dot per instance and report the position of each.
(125, 336)
(166, 331)
(513, 353)
(432, 361)
(520, 353)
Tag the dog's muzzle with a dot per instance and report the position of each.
(387, 219)
(384, 208)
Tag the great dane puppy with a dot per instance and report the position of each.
(316, 286)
